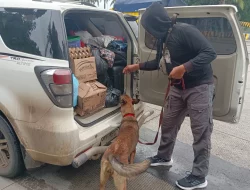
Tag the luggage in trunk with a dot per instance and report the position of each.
(117, 77)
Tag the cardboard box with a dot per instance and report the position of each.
(91, 97)
(84, 69)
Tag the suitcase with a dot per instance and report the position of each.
(117, 77)
(120, 58)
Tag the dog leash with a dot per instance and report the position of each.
(170, 83)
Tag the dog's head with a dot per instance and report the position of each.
(125, 99)
(127, 104)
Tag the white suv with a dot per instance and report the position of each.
(37, 121)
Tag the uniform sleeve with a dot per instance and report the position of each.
(154, 64)
(196, 42)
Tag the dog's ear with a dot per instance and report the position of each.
(123, 102)
(135, 101)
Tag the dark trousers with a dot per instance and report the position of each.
(197, 102)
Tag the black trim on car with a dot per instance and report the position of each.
(38, 70)
(13, 55)
(130, 17)
(78, 118)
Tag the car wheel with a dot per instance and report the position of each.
(11, 160)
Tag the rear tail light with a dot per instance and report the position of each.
(63, 89)
(62, 76)
(57, 83)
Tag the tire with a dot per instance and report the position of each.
(11, 160)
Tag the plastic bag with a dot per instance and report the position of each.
(85, 35)
(105, 80)
(108, 55)
(112, 97)
(75, 89)
(117, 46)
(101, 67)
(101, 41)
(101, 64)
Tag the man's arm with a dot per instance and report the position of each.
(196, 41)
(154, 64)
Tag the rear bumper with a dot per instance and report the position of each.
(57, 138)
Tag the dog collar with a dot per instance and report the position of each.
(129, 114)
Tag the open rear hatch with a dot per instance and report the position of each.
(102, 31)
(220, 26)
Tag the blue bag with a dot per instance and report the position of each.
(117, 45)
(75, 89)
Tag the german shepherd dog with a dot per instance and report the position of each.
(118, 159)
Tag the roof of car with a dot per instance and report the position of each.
(45, 4)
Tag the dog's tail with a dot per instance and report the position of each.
(129, 170)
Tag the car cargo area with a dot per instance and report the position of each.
(98, 54)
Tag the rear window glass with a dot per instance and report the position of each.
(109, 25)
(33, 31)
(217, 30)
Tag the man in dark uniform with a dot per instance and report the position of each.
(191, 57)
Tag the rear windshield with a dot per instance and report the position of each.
(108, 25)
(217, 30)
(33, 31)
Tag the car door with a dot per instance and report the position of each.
(221, 27)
